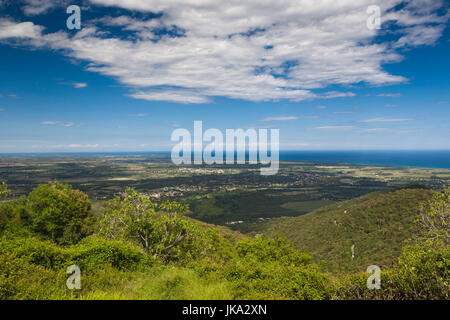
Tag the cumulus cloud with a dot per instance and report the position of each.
(10, 29)
(35, 7)
(254, 50)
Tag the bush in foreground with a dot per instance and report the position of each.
(60, 213)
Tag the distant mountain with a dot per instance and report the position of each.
(376, 224)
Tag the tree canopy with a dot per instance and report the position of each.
(59, 212)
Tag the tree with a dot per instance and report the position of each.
(60, 213)
(4, 191)
(159, 228)
(435, 217)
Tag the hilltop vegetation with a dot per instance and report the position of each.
(376, 224)
(134, 248)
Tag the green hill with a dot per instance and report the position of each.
(377, 224)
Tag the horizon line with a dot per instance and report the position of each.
(169, 151)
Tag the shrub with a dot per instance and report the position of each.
(19, 279)
(264, 249)
(256, 280)
(14, 217)
(94, 253)
(60, 213)
(422, 272)
(39, 252)
(264, 268)
(4, 191)
(160, 229)
(435, 217)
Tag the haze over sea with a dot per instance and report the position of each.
(439, 159)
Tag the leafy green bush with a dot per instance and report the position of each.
(14, 217)
(435, 217)
(272, 280)
(94, 253)
(422, 272)
(160, 229)
(264, 249)
(4, 191)
(38, 252)
(264, 268)
(20, 279)
(60, 213)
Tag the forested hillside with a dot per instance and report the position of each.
(377, 225)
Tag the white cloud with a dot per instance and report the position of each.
(180, 96)
(374, 130)
(35, 7)
(392, 95)
(252, 50)
(420, 35)
(140, 115)
(49, 123)
(57, 123)
(381, 119)
(79, 85)
(297, 144)
(335, 128)
(280, 118)
(73, 146)
(11, 29)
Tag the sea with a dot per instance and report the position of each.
(439, 159)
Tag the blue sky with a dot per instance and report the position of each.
(137, 70)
